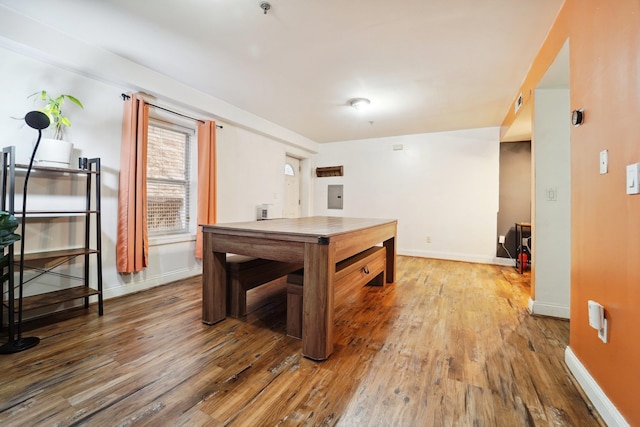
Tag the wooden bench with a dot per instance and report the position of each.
(367, 267)
(245, 273)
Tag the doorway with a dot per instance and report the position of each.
(514, 203)
(292, 187)
(551, 218)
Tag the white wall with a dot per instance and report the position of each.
(442, 185)
(250, 158)
(95, 132)
(552, 218)
(250, 173)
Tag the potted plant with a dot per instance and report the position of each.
(8, 224)
(57, 151)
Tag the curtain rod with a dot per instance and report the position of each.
(125, 96)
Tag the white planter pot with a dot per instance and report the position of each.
(53, 152)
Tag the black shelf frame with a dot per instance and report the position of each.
(519, 236)
(55, 258)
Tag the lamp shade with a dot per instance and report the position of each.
(37, 120)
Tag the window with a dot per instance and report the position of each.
(168, 178)
(288, 170)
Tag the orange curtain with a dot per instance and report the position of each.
(206, 179)
(132, 244)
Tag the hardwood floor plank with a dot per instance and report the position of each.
(448, 343)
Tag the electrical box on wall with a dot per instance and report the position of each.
(335, 197)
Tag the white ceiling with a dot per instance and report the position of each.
(426, 65)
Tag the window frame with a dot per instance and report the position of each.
(175, 123)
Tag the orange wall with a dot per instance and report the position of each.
(552, 45)
(604, 49)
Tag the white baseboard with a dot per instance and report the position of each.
(137, 284)
(456, 257)
(600, 401)
(507, 262)
(549, 309)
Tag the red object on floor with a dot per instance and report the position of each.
(522, 259)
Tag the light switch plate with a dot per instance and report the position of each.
(604, 162)
(633, 175)
(551, 194)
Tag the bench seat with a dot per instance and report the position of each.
(245, 273)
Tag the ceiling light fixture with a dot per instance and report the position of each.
(265, 6)
(359, 103)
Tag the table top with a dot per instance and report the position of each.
(314, 226)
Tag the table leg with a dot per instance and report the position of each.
(318, 301)
(390, 245)
(214, 283)
(519, 248)
(515, 234)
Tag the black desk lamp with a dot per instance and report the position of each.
(36, 120)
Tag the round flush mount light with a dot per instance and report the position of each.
(359, 103)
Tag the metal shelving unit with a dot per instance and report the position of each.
(46, 262)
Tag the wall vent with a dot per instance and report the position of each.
(518, 102)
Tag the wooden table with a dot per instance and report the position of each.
(317, 242)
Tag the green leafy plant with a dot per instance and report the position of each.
(53, 109)
(8, 224)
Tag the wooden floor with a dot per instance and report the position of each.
(449, 344)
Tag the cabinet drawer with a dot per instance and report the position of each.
(363, 268)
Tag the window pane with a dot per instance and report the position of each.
(166, 210)
(166, 153)
(167, 180)
(288, 170)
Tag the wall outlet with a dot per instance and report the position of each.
(501, 240)
(428, 239)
